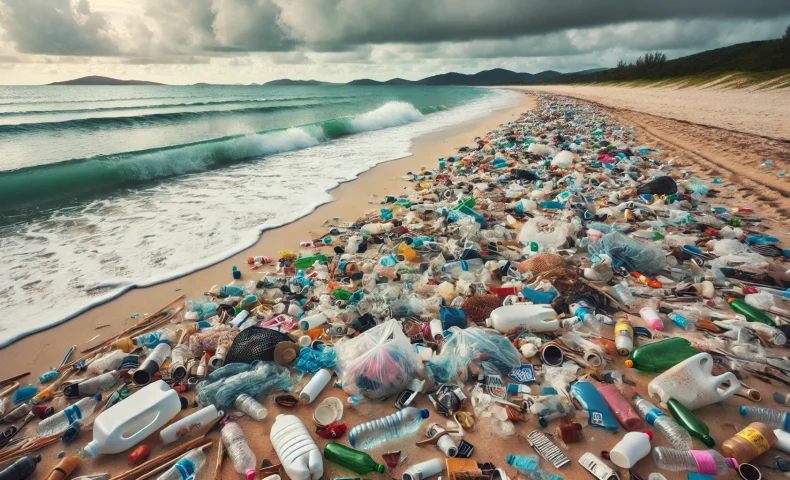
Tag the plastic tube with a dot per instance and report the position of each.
(423, 470)
(315, 386)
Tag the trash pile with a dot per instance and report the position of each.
(557, 282)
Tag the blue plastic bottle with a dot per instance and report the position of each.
(529, 466)
(591, 400)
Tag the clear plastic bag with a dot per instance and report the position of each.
(222, 386)
(630, 254)
(378, 363)
(548, 234)
(490, 352)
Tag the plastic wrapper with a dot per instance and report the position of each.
(203, 309)
(312, 360)
(472, 348)
(630, 254)
(222, 386)
(208, 339)
(378, 363)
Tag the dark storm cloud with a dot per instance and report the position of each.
(55, 27)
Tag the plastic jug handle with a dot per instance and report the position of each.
(735, 385)
(156, 417)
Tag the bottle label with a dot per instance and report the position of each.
(73, 413)
(653, 414)
(596, 466)
(756, 438)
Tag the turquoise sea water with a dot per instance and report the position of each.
(104, 188)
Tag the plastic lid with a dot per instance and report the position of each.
(380, 468)
(730, 299)
(629, 363)
(489, 324)
(90, 450)
(648, 433)
(425, 414)
(733, 463)
(743, 410)
(510, 459)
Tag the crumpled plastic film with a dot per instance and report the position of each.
(223, 385)
(630, 254)
(489, 351)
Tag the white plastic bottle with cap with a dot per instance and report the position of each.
(633, 447)
(128, 423)
(315, 386)
(533, 318)
(300, 457)
(189, 424)
(423, 470)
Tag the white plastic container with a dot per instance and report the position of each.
(784, 440)
(128, 423)
(633, 447)
(424, 470)
(315, 386)
(299, 455)
(189, 424)
(691, 382)
(377, 228)
(534, 318)
(313, 321)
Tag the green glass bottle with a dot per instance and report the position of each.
(660, 356)
(307, 262)
(751, 313)
(359, 462)
(696, 427)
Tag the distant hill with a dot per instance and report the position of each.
(497, 76)
(303, 83)
(96, 80)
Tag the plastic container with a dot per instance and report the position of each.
(660, 356)
(313, 321)
(157, 357)
(682, 322)
(108, 362)
(751, 313)
(529, 465)
(423, 470)
(239, 450)
(354, 460)
(125, 424)
(783, 440)
(633, 447)
(92, 386)
(674, 433)
(692, 383)
(455, 269)
(709, 462)
(620, 408)
(376, 432)
(21, 469)
(650, 316)
(298, 453)
(772, 418)
(623, 336)
(750, 443)
(696, 427)
(189, 465)
(251, 407)
(593, 402)
(60, 421)
(533, 318)
(189, 424)
(315, 386)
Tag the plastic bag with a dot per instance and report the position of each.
(548, 234)
(378, 363)
(490, 352)
(222, 386)
(630, 254)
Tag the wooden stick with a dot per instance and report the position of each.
(170, 463)
(155, 462)
(11, 379)
(220, 456)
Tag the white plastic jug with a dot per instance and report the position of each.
(692, 383)
(129, 422)
(534, 318)
(633, 447)
(296, 449)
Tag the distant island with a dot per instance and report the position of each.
(97, 80)
(497, 76)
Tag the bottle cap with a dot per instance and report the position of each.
(743, 411)
(629, 363)
(729, 300)
(510, 459)
(90, 450)
(425, 414)
(648, 433)
(250, 474)
(380, 468)
(708, 441)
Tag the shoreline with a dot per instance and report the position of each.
(43, 348)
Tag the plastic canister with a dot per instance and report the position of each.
(633, 447)
(300, 457)
(749, 443)
(313, 321)
(189, 424)
(424, 470)
(532, 318)
(125, 424)
(692, 383)
(623, 336)
(315, 386)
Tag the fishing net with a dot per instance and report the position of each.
(255, 343)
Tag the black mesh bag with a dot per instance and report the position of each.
(257, 343)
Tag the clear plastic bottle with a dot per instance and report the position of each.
(239, 450)
(187, 467)
(682, 322)
(529, 465)
(152, 339)
(109, 362)
(61, 420)
(251, 407)
(709, 462)
(623, 293)
(677, 435)
(772, 418)
(92, 386)
(455, 269)
(370, 434)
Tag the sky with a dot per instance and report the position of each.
(246, 41)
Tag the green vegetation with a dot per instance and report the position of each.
(735, 66)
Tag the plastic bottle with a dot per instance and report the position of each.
(354, 460)
(593, 402)
(750, 443)
(239, 450)
(533, 318)
(529, 465)
(151, 365)
(709, 462)
(673, 432)
(187, 467)
(370, 434)
(298, 453)
(752, 314)
(189, 424)
(772, 418)
(620, 408)
(60, 421)
(633, 447)
(455, 269)
(650, 316)
(251, 407)
(623, 293)
(108, 362)
(660, 356)
(682, 322)
(127, 423)
(154, 338)
(623, 336)
(21, 469)
(315, 386)
(423, 470)
(692, 383)
(696, 427)
(92, 386)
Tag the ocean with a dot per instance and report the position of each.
(107, 188)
